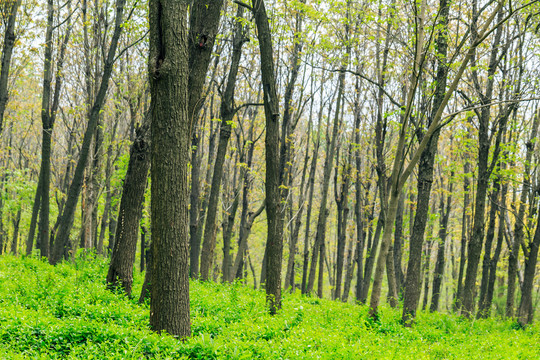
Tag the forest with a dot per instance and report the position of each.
(238, 173)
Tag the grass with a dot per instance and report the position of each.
(65, 312)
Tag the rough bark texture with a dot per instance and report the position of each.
(120, 272)
(168, 72)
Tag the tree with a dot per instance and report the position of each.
(168, 69)
(10, 9)
(274, 241)
(66, 223)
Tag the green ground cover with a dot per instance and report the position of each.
(65, 312)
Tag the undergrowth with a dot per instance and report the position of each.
(65, 312)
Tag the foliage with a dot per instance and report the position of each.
(66, 312)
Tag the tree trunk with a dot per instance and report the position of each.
(483, 310)
(526, 311)
(398, 245)
(227, 114)
(484, 172)
(33, 219)
(438, 274)
(170, 134)
(15, 237)
(195, 241)
(411, 294)
(465, 220)
(120, 272)
(274, 244)
(7, 52)
(513, 256)
(319, 244)
(66, 223)
(147, 284)
(311, 186)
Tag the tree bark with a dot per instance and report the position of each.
(170, 134)
(120, 273)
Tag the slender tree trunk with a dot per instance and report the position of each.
(513, 257)
(398, 245)
(342, 201)
(484, 172)
(195, 242)
(66, 223)
(274, 244)
(120, 272)
(465, 220)
(370, 260)
(526, 311)
(483, 310)
(147, 284)
(438, 274)
(15, 237)
(319, 245)
(7, 52)
(227, 114)
(411, 295)
(311, 186)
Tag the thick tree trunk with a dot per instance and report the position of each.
(120, 272)
(170, 134)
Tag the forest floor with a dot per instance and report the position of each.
(65, 312)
